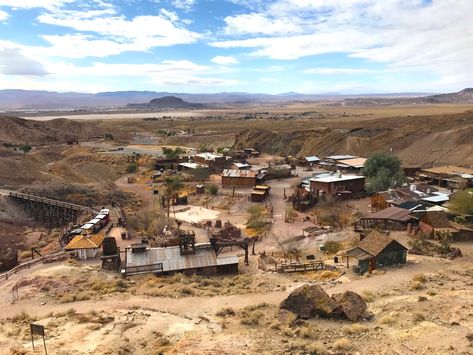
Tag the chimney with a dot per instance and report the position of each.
(339, 174)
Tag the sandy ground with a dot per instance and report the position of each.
(194, 214)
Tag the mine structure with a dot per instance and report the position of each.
(48, 210)
(228, 236)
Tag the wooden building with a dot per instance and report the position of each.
(391, 218)
(213, 161)
(435, 222)
(377, 250)
(86, 246)
(336, 184)
(260, 193)
(455, 177)
(238, 178)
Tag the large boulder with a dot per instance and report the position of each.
(310, 300)
(351, 304)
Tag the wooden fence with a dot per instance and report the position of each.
(29, 264)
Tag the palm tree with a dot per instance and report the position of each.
(173, 184)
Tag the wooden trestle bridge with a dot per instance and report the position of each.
(50, 211)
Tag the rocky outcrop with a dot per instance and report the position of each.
(310, 300)
(352, 304)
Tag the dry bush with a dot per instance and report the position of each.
(354, 329)
(252, 318)
(342, 344)
(416, 285)
(316, 348)
(387, 320)
(22, 317)
(419, 277)
(74, 297)
(418, 317)
(306, 332)
(224, 312)
(329, 274)
(368, 296)
(431, 293)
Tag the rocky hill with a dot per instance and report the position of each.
(167, 103)
(20, 131)
(423, 140)
(462, 97)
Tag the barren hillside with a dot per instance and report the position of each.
(444, 139)
(20, 131)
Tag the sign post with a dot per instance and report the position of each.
(39, 330)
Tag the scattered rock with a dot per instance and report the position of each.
(310, 300)
(351, 304)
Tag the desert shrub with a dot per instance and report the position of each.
(251, 318)
(22, 317)
(387, 320)
(306, 332)
(342, 344)
(418, 317)
(354, 329)
(224, 312)
(332, 247)
(212, 189)
(420, 278)
(462, 201)
(132, 168)
(368, 296)
(316, 348)
(416, 285)
(25, 148)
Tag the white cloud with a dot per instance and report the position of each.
(118, 33)
(183, 4)
(3, 15)
(259, 24)
(434, 37)
(13, 62)
(224, 60)
(31, 4)
(337, 71)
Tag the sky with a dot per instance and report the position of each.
(264, 46)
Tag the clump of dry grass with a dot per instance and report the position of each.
(416, 285)
(355, 328)
(368, 296)
(418, 317)
(316, 348)
(224, 312)
(342, 344)
(22, 317)
(420, 278)
(252, 318)
(73, 297)
(387, 320)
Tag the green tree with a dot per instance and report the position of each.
(462, 201)
(383, 171)
(173, 184)
(212, 189)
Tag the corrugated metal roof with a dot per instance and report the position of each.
(312, 158)
(340, 157)
(238, 173)
(392, 213)
(328, 177)
(355, 162)
(172, 259)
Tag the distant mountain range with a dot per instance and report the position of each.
(47, 100)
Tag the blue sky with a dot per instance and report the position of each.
(271, 46)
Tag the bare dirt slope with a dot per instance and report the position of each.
(444, 139)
